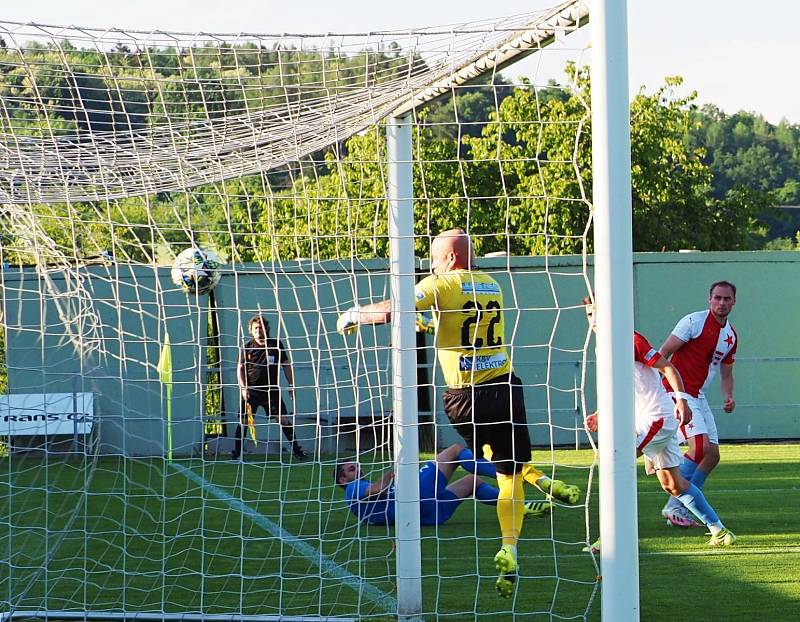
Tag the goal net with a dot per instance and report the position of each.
(120, 150)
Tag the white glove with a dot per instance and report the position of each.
(348, 321)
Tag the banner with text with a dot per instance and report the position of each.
(36, 414)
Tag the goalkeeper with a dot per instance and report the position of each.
(484, 400)
(373, 502)
(257, 373)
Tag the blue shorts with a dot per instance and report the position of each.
(437, 504)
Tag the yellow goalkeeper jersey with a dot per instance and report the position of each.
(468, 309)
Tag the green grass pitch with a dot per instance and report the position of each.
(266, 539)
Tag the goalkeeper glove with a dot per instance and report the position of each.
(348, 321)
(425, 324)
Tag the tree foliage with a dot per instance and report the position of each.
(749, 155)
(744, 150)
(524, 184)
(512, 163)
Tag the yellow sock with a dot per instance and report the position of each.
(529, 472)
(510, 507)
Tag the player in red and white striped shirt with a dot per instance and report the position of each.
(657, 420)
(702, 344)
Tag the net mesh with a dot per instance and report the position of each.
(118, 150)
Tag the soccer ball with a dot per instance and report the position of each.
(196, 270)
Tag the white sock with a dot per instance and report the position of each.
(716, 528)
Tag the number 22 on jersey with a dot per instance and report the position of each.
(481, 323)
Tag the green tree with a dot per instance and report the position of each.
(743, 149)
(493, 157)
(670, 183)
(673, 206)
(535, 158)
(527, 173)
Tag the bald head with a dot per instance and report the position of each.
(452, 250)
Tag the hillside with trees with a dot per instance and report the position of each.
(746, 154)
(502, 157)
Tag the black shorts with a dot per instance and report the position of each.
(492, 413)
(270, 401)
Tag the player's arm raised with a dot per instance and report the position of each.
(375, 313)
(425, 294)
(682, 411)
(726, 382)
(378, 488)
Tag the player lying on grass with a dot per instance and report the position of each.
(373, 502)
(657, 421)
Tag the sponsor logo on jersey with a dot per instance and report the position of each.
(481, 363)
(419, 294)
(470, 288)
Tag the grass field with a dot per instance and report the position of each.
(261, 538)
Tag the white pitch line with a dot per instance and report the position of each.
(729, 550)
(728, 491)
(732, 550)
(314, 555)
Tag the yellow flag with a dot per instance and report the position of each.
(251, 423)
(165, 362)
(165, 373)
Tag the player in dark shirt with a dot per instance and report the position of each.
(257, 373)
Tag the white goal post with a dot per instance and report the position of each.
(614, 296)
(319, 167)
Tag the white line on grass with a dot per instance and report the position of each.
(734, 550)
(314, 555)
(728, 550)
(727, 491)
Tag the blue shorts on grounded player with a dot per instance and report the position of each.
(437, 503)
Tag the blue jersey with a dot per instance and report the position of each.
(375, 510)
(437, 502)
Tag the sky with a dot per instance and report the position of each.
(737, 54)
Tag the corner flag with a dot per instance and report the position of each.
(165, 362)
(165, 374)
(251, 422)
